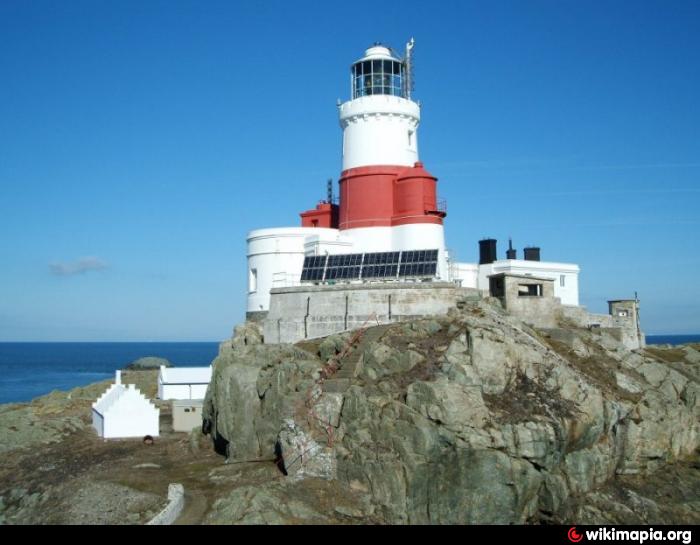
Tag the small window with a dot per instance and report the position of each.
(187, 410)
(562, 280)
(529, 290)
(253, 281)
(410, 139)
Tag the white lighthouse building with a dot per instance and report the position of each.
(388, 201)
(388, 224)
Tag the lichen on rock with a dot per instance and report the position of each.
(472, 417)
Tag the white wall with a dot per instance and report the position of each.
(320, 245)
(130, 415)
(182, 391)
(466, 273)
(375, 131)
(198, 391)
(277, 255)
(568, 293)
(173, 391)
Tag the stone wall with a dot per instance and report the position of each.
(176, 502)
(580, 317)
(309, 312)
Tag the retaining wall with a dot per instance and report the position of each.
(309, 312)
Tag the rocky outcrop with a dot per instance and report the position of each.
(147, 363)
(470, 418)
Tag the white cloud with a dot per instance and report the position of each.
(81, 266)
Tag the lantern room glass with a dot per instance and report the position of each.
(378, 77)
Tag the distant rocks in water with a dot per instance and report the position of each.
(149, 362)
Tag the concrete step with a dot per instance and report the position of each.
(348, 365)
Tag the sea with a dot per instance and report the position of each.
(29, 370)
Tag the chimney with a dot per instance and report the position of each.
(511, 253)
(532, 253)
(118, 377)
(487, 251)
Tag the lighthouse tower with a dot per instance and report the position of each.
(388, 216)
(383, 242)
(388, 200)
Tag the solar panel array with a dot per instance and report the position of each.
(377, 265)
(381, 265)
(418, 263)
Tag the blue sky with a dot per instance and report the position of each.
(140, 141)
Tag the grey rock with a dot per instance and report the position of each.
(470, 418)
(148, 362)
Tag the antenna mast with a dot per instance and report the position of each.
(408, 67)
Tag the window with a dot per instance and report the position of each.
(378, 77)
(410, 139)
(253, 281)
(562, 280)
(529, 290)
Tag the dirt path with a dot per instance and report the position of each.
(196, 506)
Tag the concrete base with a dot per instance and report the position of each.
(309, 312)
(256, 316)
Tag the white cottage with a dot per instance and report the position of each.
(183, 382)
(123, 411)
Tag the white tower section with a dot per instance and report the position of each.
(379, 123)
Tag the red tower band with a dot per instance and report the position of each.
(380, 196)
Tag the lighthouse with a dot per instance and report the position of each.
(386, 231)
(388, 200)
(388, 213)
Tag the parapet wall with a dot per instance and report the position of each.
(624, 326)
(309, 312)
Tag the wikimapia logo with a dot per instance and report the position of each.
(638, 536)
(574, 536)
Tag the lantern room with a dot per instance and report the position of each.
(379, 72)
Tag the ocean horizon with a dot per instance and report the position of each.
(32, 369)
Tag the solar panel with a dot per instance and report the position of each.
(418, 263)
(372, 265)
(313, 268)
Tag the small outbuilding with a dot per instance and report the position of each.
(528, 297)
(183, 382)
(187, 414)
(123, 411)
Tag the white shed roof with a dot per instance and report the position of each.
(120, 394)
(185, 375)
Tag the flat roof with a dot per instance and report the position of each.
(185, 375)
(521, 276)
